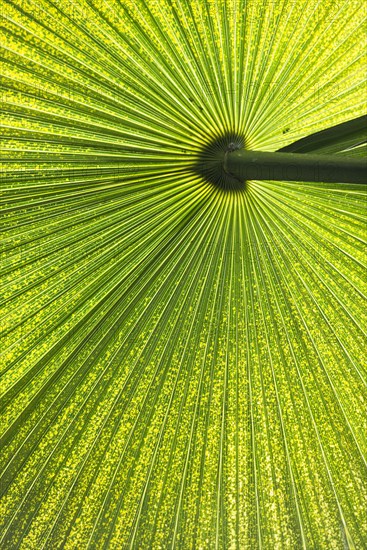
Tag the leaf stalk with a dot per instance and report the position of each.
(243, 164)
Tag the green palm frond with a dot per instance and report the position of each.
(348, 138)
(182, 364)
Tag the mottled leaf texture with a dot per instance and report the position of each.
(182, 365)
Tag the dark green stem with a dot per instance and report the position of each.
(259, 165)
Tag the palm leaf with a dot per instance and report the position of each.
(182, 365)
(348, 138)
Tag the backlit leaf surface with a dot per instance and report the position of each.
(182, 366)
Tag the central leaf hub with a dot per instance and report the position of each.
(210, 163)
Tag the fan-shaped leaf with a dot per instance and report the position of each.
(183, 365)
